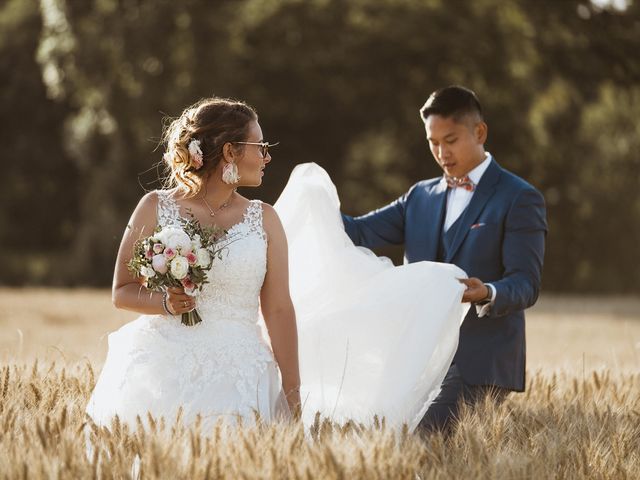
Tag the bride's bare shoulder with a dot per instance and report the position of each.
(150, 200)
(146, 211)
(271, 221)
(268, 210)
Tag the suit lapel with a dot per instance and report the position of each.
(435, 210)
(484, 190)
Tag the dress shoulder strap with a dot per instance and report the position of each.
(168, 210)
(254, 218)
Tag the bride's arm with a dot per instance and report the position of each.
(277, 307)
(127, 292)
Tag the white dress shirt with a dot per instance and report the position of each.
(458, 200)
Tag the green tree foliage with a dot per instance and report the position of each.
(86, 85)
(38, 212)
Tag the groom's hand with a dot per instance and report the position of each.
(476, 290)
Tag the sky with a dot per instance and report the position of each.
(617, 4)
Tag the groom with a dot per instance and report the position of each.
(485, 220)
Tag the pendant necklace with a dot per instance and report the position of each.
(221, 207)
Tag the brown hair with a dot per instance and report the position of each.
(213, 121)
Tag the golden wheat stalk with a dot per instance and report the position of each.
(565, 426)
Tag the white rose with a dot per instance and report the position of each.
(179, 267)
(203, 259)
(175, 238)
(197, 242)
(147, 272)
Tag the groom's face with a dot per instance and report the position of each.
(457, 146)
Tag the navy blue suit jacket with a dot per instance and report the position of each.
(500, 239)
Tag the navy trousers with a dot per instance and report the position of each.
(443, 412)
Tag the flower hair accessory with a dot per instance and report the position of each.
(195, 153)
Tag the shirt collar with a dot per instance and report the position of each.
(476, 174)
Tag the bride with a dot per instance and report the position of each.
(374, 339)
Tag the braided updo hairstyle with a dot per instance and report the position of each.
(212, 121)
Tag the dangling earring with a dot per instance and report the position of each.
(230, 173)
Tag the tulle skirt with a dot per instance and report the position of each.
(221, 371)
(374, 339)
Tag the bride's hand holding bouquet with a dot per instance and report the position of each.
(175, 260)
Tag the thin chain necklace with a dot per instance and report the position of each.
(221, 207)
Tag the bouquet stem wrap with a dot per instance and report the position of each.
(191, 318)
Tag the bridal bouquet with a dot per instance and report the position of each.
(177, 256)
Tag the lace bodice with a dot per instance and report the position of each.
(236, 278)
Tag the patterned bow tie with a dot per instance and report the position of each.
(463, 182)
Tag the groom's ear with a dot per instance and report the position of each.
(480, 131)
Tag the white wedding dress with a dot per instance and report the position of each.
(221, 368)
(374, 339)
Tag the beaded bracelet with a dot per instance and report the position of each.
(164, 303)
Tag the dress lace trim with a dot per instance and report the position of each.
(168, 213)
(168, 210)
(252, 218)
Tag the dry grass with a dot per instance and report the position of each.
(580, 417)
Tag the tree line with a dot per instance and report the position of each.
(86, 85)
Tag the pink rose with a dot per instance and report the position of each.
(188, 285)
(169, 253)
(191, 258)
(158, 248)
(148, 254)
(159, 263)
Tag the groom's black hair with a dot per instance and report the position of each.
(453, 101)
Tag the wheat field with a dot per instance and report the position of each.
(579, 418)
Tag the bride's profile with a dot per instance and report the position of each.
(348, 334)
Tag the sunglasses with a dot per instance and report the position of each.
(264, 146)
